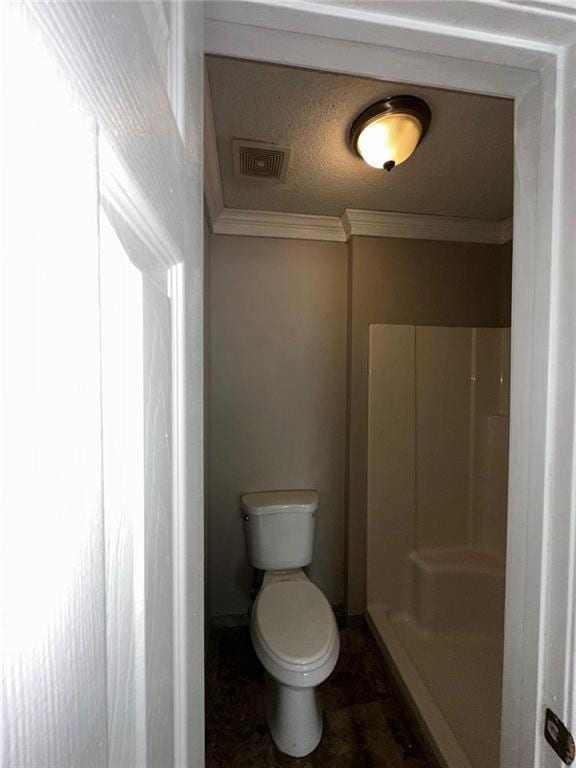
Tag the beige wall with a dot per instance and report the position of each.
(278, 397)
(415, 282)
(278, 378)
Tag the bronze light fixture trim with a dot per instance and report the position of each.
(387, 133)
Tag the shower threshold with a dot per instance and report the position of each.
(453, 680)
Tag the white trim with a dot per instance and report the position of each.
(176, 83)
(299, 226)
(558, 672)
(176, 65)
(179, 536)
(158, 32)
(528, 509)
(119, 190)
(366, 49)
(465, 36)
(213, 194)
(426, 227)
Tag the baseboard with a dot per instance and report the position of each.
(230, 620)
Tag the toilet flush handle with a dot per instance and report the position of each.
(244, 516)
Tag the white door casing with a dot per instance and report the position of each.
(136, 350)
(105, 662)
(524, 51)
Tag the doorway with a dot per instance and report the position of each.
(444, 56)
(304, 330)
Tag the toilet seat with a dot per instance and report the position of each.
(294, 631)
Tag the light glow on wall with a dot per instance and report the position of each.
(50, 407)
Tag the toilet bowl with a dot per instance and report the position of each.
(295, 636)
(293, 628)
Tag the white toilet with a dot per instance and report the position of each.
(293, 629)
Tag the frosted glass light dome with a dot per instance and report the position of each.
(387, 133)
(389, 138)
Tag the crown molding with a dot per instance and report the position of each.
(426, 227)
(213, 195)
(298, 226)
(295, 226)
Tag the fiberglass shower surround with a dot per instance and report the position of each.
(437, 502)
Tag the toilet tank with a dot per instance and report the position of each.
(279, 528)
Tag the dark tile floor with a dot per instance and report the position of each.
(365, 725)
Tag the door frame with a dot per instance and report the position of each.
(527, 53)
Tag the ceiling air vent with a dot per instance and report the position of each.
(257, 160)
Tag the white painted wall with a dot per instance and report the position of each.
(278, 396)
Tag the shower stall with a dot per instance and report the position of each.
(437, 498)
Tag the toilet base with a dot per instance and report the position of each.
(294, 718)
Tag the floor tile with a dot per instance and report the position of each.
(365, 725)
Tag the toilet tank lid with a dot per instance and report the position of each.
(273, 502)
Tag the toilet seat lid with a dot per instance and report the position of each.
(295, 622)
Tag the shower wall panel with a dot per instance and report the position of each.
(437, 448)
(443, 403)
(391, 450)
(491, 375)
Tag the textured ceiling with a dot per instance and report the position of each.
(464, 166)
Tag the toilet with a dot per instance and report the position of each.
(293, 628)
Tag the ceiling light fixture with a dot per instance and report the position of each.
(388, 132)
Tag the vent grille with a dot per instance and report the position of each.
(259, 160)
